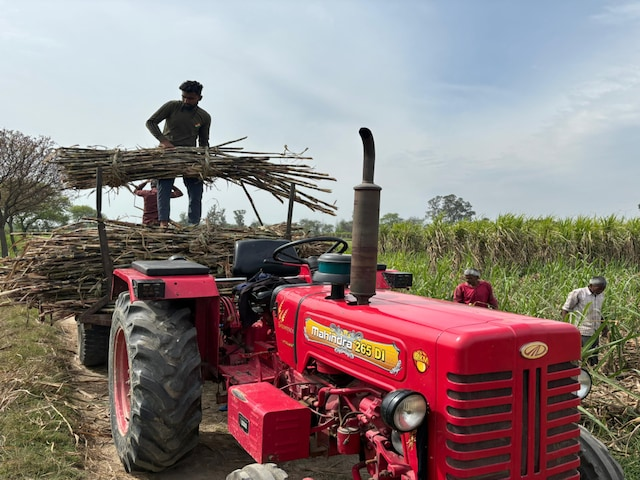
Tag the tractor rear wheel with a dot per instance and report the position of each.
(596, 463)
(155, 383)
(93, 344)
(258, 471)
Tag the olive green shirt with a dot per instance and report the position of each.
(182, 125)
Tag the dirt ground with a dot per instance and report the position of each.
(217, 454)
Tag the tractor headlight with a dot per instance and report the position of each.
(585, 384)
(404, 410)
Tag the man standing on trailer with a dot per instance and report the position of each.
(184, 123)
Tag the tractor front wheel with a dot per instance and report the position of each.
(155, 384)
(596, 463)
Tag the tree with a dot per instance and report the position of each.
(415, 220)
(390, 219)
(314, 228)
(78, 212)
(238, 217)
(216, 217)
(27, 179)
(54, 213)
(344, 228)
(449, 209)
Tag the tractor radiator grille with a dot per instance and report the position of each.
(503, 425)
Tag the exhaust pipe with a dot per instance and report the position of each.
(366, 215)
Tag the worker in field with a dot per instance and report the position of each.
(150, 199)
(184, 124)
(475, 292)
(585, 307)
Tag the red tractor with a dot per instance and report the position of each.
(326, 354)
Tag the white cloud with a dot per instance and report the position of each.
(620, 13)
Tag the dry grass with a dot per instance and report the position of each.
(39, 436)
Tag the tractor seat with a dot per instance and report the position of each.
(169, 267)
(250, 255)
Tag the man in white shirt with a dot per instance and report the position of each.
(585, 306)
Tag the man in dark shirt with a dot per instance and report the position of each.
(150, 198)
(184, 123)
(474, 291)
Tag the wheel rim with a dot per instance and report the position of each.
(121, 383)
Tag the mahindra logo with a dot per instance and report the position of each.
(534, 350)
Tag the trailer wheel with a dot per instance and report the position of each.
(596, 463)
(93, 344)
(155, 383)
(258, 471)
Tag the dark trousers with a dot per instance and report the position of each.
(194, 190)
(593, 359)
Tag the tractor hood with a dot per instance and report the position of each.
(398, 337)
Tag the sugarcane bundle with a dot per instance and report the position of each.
(61, 273)
(274, 173)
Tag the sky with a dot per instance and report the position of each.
(524, 107)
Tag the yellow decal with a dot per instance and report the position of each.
(354, 345)
(411, 441)
(284, 327)
(281, 313)
(534, 350)
(421, 360)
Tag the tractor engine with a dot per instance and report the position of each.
(416, 385)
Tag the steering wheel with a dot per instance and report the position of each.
(279, 254)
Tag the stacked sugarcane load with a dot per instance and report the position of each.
(61, 273)
(274, 173)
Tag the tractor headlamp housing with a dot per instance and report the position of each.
(396, 442)
(404, 410)
(584, 378)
